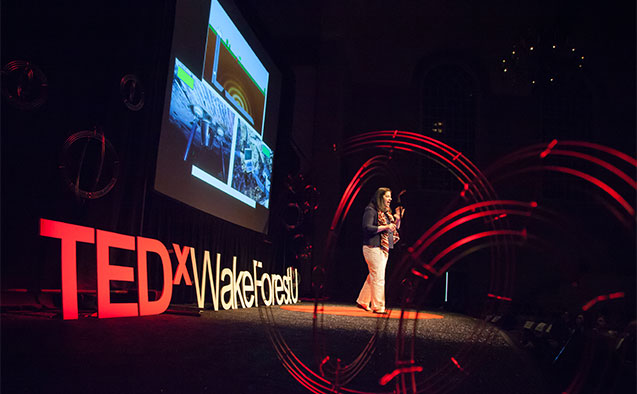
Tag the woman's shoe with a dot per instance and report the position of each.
(366, 307)
(381, 312)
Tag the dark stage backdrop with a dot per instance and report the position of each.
(51, 154)
(52, 164)
(173, 222)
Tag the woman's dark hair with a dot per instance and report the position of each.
(377, 200)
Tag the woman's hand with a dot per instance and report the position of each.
(391, 227)
(399, 212)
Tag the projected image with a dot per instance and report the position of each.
(220, 116)
(231, 66)
(252, 165)
(239, 87)
(205, 121)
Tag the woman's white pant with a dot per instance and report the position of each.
(374, 287)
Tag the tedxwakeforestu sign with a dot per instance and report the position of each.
(242, 289)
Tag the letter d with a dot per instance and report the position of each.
(146, 307)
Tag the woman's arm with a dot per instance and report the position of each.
(368, 222)
(398, 215)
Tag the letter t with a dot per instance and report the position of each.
(70, 234)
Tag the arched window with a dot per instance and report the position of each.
(448, 114)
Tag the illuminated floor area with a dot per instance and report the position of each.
(338, 310)
(231, 352)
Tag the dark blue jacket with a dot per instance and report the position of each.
(370, 228)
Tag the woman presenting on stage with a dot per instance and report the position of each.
(379, 235)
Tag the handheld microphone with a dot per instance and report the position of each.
(399, 202)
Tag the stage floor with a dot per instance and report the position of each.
(232, 352)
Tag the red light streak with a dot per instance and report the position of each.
(414, 136)
(470, 177)
(451, 226)
(597, 183)
(325, 360)
(404, 149)
(532, 150)
(352, 189)
(499, 297)
(600, 163)
(457, 364)
(414, 148)
(614, 152)
(369, 163)
(463, 210)
(364, 140)
(548, 149)
(589, 304)
(475, 172)
(357, 190)
(294, 366)
(415, 272)
(446, 159)
(388, 377)
(503, 215)
(603, 297)
(460, 221)
(465, 187)
(614, 296)
(320, 378)
(388, 140)
(469, 239)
